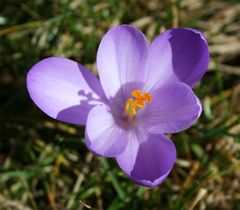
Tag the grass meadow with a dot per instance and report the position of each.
(45, 165)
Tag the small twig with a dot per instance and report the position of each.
(224, 68)
(76, 189)
(175, 13)
(9, 204)
(201, 193)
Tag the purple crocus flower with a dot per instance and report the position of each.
(144, 92)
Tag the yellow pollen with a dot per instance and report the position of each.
(132, 105)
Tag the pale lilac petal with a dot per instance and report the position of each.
(121, 59)
(103, 136)
(174, 108)
(64, 89)
(148, 158)
(177, 55)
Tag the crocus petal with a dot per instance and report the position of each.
(103, 136)
(177, 55)
(64, 89)
(148, 158)
(121, 59)
(174, 108)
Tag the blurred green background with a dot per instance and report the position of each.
(44, 164)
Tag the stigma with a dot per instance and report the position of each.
(133, 104)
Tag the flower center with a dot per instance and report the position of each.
(132, 105)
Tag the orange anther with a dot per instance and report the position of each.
(132, 105)
(139, 103)
(137, 93)
(148, 97)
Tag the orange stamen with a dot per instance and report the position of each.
(132, 105)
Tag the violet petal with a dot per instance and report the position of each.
(177, 55)
(174, 108)
(64, 89)
(148, 158)
(121, 59)
(102, 135)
